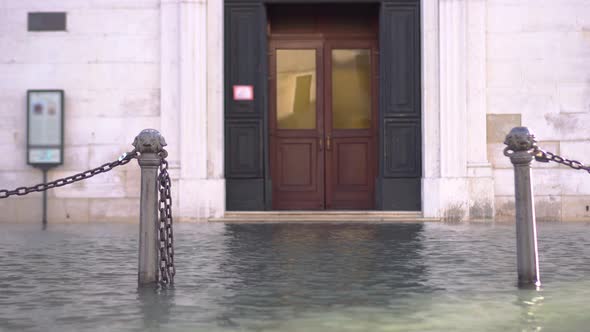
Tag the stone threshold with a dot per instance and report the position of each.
(323, 217)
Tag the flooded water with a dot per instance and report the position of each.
(295, 277)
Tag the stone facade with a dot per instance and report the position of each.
(108, 64)
(537, 62)
(126, 65)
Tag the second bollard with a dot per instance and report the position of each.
(520, 144)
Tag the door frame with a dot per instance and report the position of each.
(398, 182)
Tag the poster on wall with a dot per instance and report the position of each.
(45, 127)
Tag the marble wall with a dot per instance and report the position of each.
(108, 63)
(126, 65)
(538, 60)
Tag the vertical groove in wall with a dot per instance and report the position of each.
(170, 79)
(215, 89)
(476, 83)
(430, 90)
(193, 58)
(453, 124)
(442, 67)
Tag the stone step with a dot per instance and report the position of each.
(323, 216)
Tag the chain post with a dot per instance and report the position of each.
(521, 149)
(149, 143)
(156, 239)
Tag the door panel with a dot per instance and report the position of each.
(298, 175)
(400, 101)
(296, 72)
(297, 163)
(350, 114)
(351, 88)
(323, 123)
(349, 169)
(402, 159)
(296, 123)
(351, 158)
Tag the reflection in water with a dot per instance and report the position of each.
(296, 266)
(530, 302)
(155, 306)
(296, 90)
(351, 89)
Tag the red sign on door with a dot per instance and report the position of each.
(243, 92)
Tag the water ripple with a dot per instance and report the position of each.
(294, 277)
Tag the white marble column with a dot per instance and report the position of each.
(444, 186)
(454, 107)
(215, 79)
(192, 103)
(453, 88)
(169, 80)
(430, 90)
(193, 89)
(430, 109)
(476, 86)
(479, 170)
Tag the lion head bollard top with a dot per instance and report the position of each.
(521, 147)
(149, 141)
(520, 139)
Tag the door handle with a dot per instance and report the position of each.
(321, 143)
(328, 142)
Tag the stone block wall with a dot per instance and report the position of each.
(538, 75)
(108, 63)
(126, 65)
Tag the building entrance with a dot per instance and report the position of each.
(332, 118)
(323, 68)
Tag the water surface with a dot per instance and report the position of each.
(294, 277)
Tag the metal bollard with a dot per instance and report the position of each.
(520, 143)
(149, 143)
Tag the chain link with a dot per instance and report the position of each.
(546, 156)
(21, 191)
(165, 234)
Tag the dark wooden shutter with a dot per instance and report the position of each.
(245, 44)
(400, 111)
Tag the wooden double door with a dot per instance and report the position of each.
(323, 123)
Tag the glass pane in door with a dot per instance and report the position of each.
(351, 89)
(296, 89)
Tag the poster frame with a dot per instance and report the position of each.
(45, 165)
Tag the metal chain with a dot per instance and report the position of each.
(546, 156)
(21, 191)
(166, 236)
